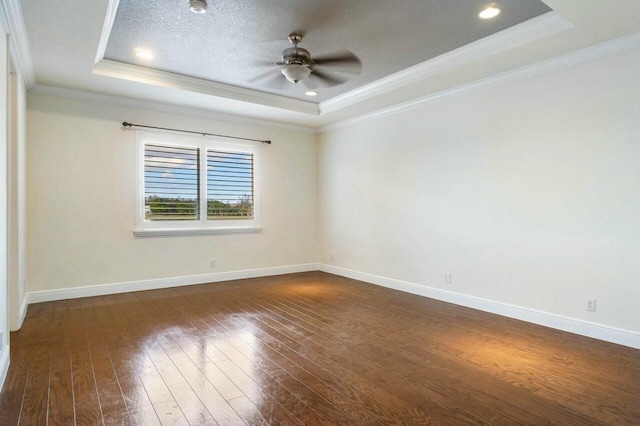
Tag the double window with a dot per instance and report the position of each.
(196, 185)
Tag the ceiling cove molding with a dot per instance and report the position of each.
(145, 75)
(112, 8)
(166, 108)
(590, 53)
(517, 35)
(19, 41)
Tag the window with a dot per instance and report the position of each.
(171, 183)
(192, 185)
(229, 185)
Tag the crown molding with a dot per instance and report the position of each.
(19, 41)
(517, 35)
(112, 8)
(145, 75)
(590, 53)
(165, 108)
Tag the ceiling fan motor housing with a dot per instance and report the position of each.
(296, 55)
(198, 6)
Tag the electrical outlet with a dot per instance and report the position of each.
(590, 305)
(447, 278)
(212, 264)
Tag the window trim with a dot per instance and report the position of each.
(203, 225)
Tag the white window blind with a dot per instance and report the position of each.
(229, 185)
(171, 182)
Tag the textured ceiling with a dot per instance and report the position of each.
(224, 44)
(64, 36)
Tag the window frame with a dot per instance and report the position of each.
(203, 225)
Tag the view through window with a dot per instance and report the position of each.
(177, 178)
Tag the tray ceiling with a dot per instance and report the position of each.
(223, 45)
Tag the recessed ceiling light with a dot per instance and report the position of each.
(489, 12)
(198, 6)
(144, 54)
(311, 93)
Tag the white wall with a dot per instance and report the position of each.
(81, 188)
(4, 304)
(16, 168)
(527, 193)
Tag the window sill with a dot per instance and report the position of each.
(145, 233)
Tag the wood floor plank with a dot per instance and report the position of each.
(518, 413)
(36, 395)
(194, 410)
(303, 349)
(170, 413)
(112, 404)
(406, 358)
(61, 395)
(248, 411)
(13, 391)
(371, 379)
(271, 387)
(338, 359)
(154, 385)
(505, 370)
(114, 411)
(271, 410)
(302, 392)
(127, 362)
(217, 406)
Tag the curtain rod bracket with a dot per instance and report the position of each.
(131, 125)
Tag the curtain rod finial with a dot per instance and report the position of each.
(125, 124)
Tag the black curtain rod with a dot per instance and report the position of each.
(125, 124)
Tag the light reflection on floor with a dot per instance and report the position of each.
(221, 365)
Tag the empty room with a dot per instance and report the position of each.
(320, 212)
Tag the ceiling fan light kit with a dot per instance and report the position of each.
(198, 6)
(295, 72)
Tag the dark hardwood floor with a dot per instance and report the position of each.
(305, 349)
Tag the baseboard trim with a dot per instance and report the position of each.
(126, 287)
(23, 311)
(559, 322)
(4, 365)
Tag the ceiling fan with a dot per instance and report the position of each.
(296, 64)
